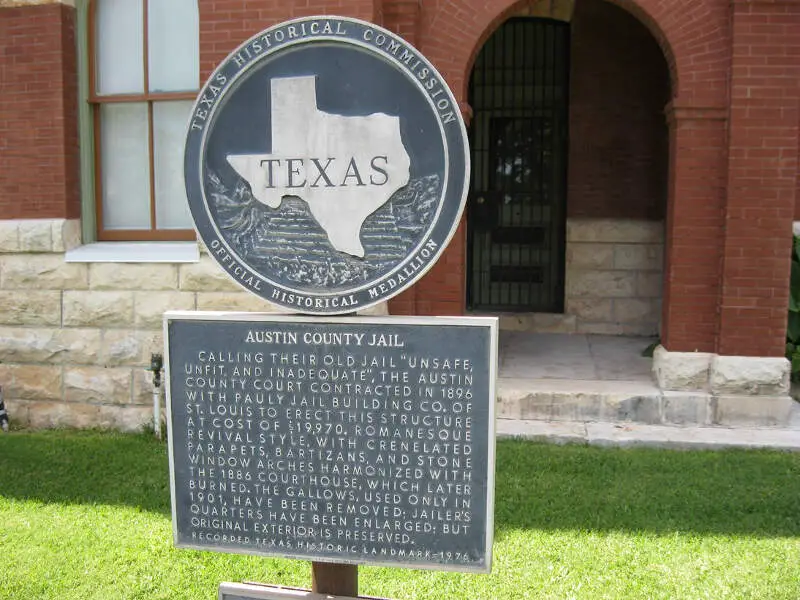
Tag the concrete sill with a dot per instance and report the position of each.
(135, 252)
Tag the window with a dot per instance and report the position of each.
(143, 79)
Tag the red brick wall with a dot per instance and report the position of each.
(619, 86)
(694, 229)
(735, 136)
(692, 35)
(224, 24)
(762, 176)
(618, 155)
(39, 159)
(402, 17)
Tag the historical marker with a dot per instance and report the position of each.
(351, 440)
(326, 165)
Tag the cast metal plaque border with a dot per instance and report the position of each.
(195, 187)
(491, 323)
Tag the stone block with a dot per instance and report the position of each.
(635, 310)
(36, 382)
(205, 276)
(537, 405)
(632, 409)
(98, 309)
(516, 400)
(47, 345)
(130, 276)
(124, 347)
(601, 328)
(125, 418)
(600, 284)
(243, 301)
(749, 375)
(794, 415)
(143, 388)
(97, 385)
(679, 408)
(577, 406)
(66, 234)
(507, 404)
(552, 323)
(6, 377)
(42, 272)
(590, 309)
(149, 307)
(681, 370)
(379, 310)
(754, 411)
(614, 328)
(35, 235)
(590, 256)
(41, 308)
(51, 415)
(615, 231)
(638, 257)
(649, 284)
(538, 322)
(18, 413)
(9, 235)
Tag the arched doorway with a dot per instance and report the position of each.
(570, 152)
(519, 95)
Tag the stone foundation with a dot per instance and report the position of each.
(614, 273)
(76, 338)
(721, 375)
(734, 391)
(613, 281)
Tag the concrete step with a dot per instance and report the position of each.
(638, 402)
(658, 436)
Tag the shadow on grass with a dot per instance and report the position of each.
(580, 487)
(538, 486)
(85, 468)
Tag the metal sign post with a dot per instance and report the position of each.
(327, 168)
(333, 578)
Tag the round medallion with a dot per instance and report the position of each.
(326, 165)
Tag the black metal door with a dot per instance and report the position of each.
(516, 210)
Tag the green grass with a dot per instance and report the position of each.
(86, 515)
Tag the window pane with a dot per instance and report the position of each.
(125, 166)
(173, 45)
(169, 135)
(119, 47)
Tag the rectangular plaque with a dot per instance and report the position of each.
(355, 440)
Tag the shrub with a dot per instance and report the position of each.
(793, 325)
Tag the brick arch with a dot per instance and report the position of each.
(689, 32)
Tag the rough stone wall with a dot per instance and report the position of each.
(614, 279)
(75, 338)
(614, 275)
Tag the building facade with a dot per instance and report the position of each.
(634, 171)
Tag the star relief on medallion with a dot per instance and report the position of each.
(343, 167)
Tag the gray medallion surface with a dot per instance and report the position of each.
(326, 165)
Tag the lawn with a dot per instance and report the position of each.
(86, 515)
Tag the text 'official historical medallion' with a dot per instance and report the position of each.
(326, 165)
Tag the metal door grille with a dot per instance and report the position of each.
(516, 217)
